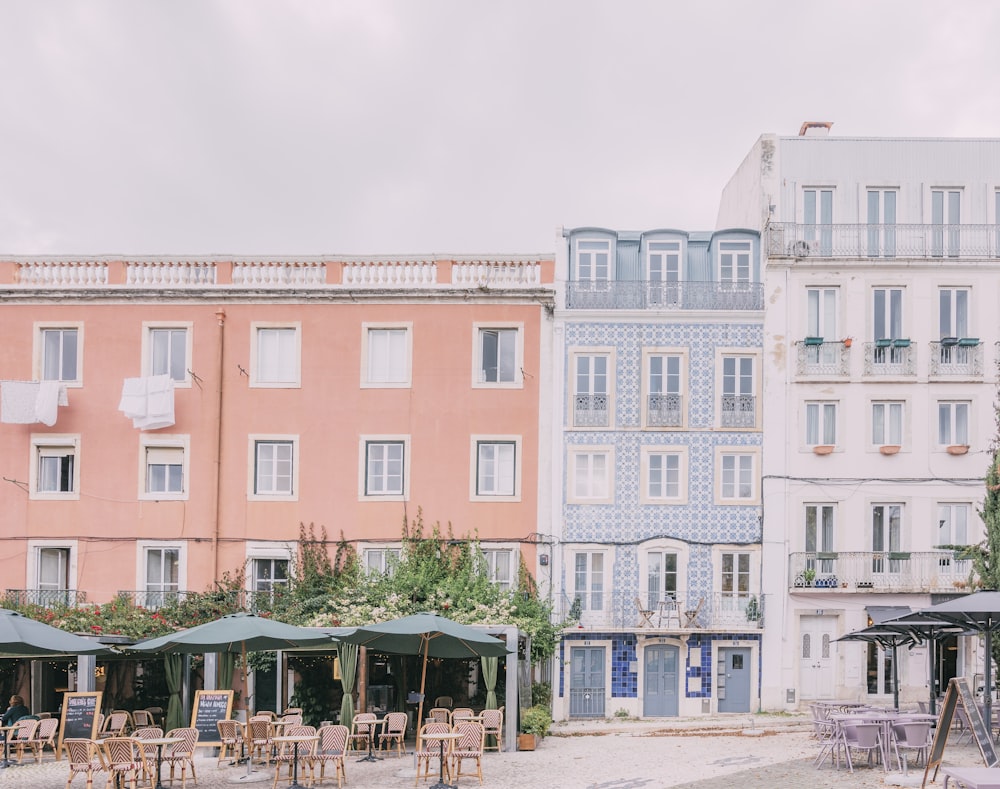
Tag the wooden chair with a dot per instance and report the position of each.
(85, 757)
(444, 701)
(148, 752)
(645, 614)
(288, 754)
(115, 725)
(231, 737)
(291, 719)
(141, 719)
(125, 762)
(394, 730)
(332, 747)
(157, 715)
(257, 737)
(428, 751)
(469, 745)
(691, 617)
(22, 735)
(45, 734)
(461, 713)
(362, 730)
(492, 721)
(440, 715)
(182, 753)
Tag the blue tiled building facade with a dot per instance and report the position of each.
(658, 545)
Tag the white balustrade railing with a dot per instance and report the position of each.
(169, 273)
(62, 274)
(383, 274)
(496, 274)
(261, 274)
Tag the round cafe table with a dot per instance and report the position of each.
(441, 737)
(295, 739)
(159, 742)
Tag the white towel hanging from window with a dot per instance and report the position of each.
(28, 402)
(148, 402)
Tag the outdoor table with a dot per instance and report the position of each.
(370, 756)
(973, 777)
(159, 742)
(441, 737)
(6, 746)
(295, 739)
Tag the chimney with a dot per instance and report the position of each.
(816, 129)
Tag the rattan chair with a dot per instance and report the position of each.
(182, 753)
(468, 746)
(45, 734)
(22, 735)
(461, 713)
(428, 751)
(125, 762)
(231, 737)
(289, 753)
(332, 747)
(85, 758)
(492, 721)
(148, 752)
(257, 738)
(439, 715)
(394, 731)
(362, 731)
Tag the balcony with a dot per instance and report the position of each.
(890, 358)
(649, 295)
(878, 571)
(664, 410)
(884, 242)
(958, 356)
(590, 410)
(738, 411)
(47, 598)
(718, 611)
(822, 358)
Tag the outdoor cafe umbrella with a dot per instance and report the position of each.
(428, 635)
(22, 636)
(237, 633)
(887, 639)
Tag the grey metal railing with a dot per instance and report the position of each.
(644, 294)
(664, 410)
(590, 410)
(879, 571)
(49, 598)
(823, 358)
(890, 357)
(684, 611)
(957, 356)
(792, 240)
(738, 411)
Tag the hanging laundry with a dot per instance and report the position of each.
(148, 401)
(28, 402)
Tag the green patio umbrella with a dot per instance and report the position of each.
(22, 636)
(428, 635)
(236, 633)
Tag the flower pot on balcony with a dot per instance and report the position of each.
(889, 449)
(848, 341)
(958, 449)
(823, 449)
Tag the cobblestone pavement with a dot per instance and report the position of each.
(644, 755)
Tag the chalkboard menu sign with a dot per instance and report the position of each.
(210, 707)
(80, 716)
(960, 692)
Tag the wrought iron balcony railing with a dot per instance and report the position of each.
(890, 357)
(879, 571)
(590, 410)
(901, 242)
(664, 410)
(738, 411)
(686, 611)
(49, 598)
(957, 356)
(822, 358)
(649, 295)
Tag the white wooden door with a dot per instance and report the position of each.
(816, 656)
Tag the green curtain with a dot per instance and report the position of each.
(227, 663)
(348, 654)
(490, 678)
(172, 665)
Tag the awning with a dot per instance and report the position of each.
(880, 613)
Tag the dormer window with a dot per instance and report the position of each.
(593, 261)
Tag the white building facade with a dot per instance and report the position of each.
(881, 261)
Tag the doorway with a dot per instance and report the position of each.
(733, 679)
(816, 648)
(660, 680)
(586, 682)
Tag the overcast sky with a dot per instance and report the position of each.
(454, 126)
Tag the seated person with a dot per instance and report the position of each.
(15, 711)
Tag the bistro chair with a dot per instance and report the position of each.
(141, 719)
(23, 734)
(125, 762)
(258, 738)
(394, 730)
(362, 730)
(115, 725)
(148, 752)
(44, 735)
(332, 747)
(182, 753)
(292, 711)
(429, 751)
(288, 753)
(911, 736)
(469, 745)
(492, 721)
(86, 758)
(444, 701)
(645, 614)
(461, 713)
(439, 715)
(865, 737)
(231, 737)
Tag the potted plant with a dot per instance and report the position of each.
(809, 575)
(847, 341)
(535, 723)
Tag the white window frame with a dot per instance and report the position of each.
(38, 357)
(606, 591)
(141, 565)
(32, 558)
(889, 326)
(753, 575)
(475, 443)
(593, 495)
(820, 537)
(363, 444)
(730, 255)
(406, 379)
(945, 512)
(252, 440)
(954, 328)
(148, 327)
(739, 452)
(267, 551)
(822, 318)
(295, 381)
(593, 266)
(903, 538)
(477, 354)
(384, 551)
(665, 254)
(953, 406)
(887, 408)
(661, 546)
(821, 409)
(490, 552)
(182, 443)
(571, 390)
(646, 452)
(683, 357)
(45, 444)
(721, 354)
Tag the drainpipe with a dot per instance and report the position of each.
(221, 315)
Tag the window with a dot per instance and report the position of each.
(739, 405)
(55, 469)
(385, 466)
(735, 568)
(51, 572)
(593, 261)
(953, 312)
(276, 356)
(381, 561)
(946, 216)
(59, 354)
(590, 393)
(817, 216)
(270, 575)
(166, 350)
(734, 262)
(663, 272)
(663, 475)
(499, 354)
(821, 424)
(386, 356)
(953, 424)
(495, 464)
(274, 470)
(887, 538)
(819, 537)
(162, 573)
(661, 577)
(588, 580)
(821, 322)
(499, 565)
(882, 222)
(888, 313)
(953, 524)
(664, 402)
(887, 424)
(164, 469)
(737, 476)
(590, 480)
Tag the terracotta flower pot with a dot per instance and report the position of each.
(958, 449)
(889, 449)
(823, 449)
